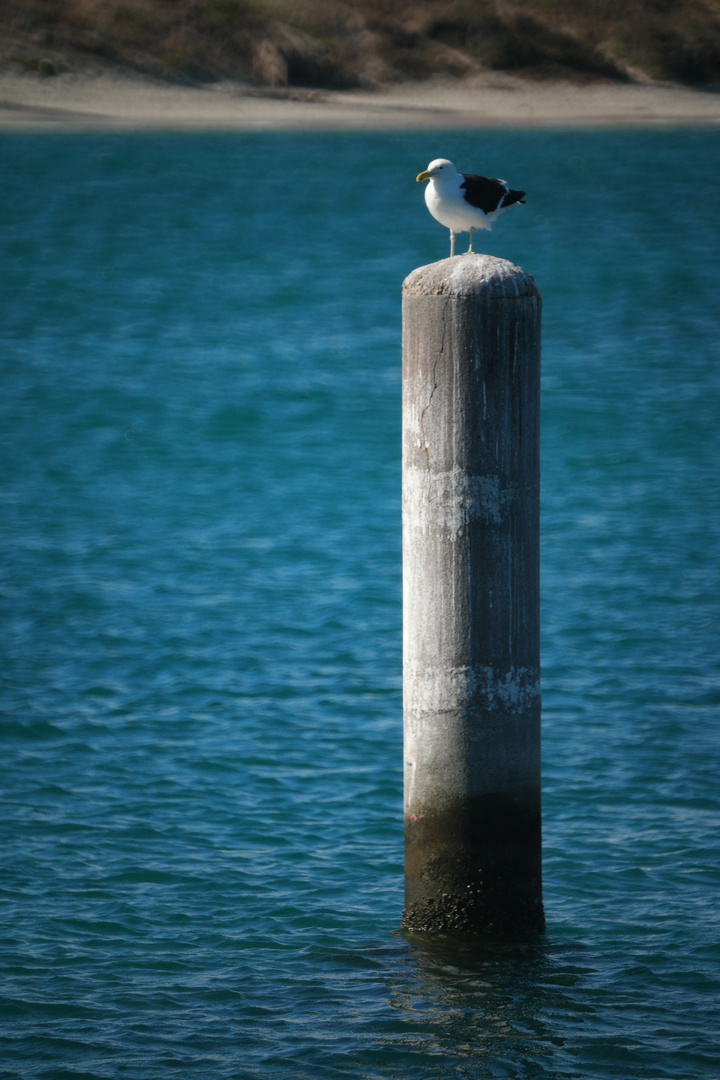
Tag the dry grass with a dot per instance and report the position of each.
(345, 43)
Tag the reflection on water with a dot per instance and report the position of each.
(485, 1005)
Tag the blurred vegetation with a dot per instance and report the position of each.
(365, 43)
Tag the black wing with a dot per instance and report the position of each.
(487, 194)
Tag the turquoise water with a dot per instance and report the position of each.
(201, 694)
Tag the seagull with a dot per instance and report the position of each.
(463, 201)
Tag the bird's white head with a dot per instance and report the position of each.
(439, 169)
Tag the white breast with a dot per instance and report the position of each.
(448, 206)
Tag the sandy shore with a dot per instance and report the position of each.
(33, 102)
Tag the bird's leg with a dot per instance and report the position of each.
(472, 230)
(452, 243)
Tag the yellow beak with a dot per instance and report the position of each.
(423, 175)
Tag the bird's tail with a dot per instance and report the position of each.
(513, 197)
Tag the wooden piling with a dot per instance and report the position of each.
(471, 664)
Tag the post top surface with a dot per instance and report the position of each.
(470, 275)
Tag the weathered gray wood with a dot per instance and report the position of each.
(471, 664)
